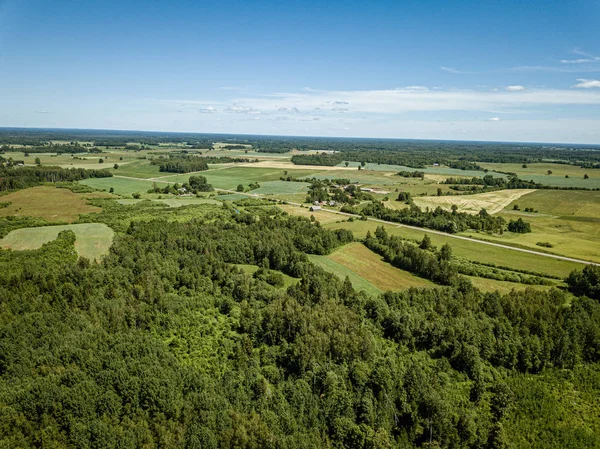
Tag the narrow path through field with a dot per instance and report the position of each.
(431, 231)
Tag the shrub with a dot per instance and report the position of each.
(519, 226)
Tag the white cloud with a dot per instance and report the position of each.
(456, 71)
(208, 110)
(340, 102)
(586, 84)
(242, 110)
(564, 69)
(587, 58)
(494, 119)
(419, 88)
(516, 88)
(398, 101)
(579, 61)
(289, 110)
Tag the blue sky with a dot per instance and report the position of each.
(485, 70)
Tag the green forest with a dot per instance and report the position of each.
(167, 343)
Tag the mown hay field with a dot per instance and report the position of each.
(492, 202)
(371, 266)
(47, 202)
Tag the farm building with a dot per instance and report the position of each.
(314, 208)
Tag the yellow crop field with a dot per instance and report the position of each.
(492, 202)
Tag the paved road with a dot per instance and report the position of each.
(399, 225)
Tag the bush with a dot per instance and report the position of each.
(585, 282)
(519, 226)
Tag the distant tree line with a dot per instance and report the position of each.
(13, 178)
(180, 164)
(325, 159)
(411, 174)
(227, 160)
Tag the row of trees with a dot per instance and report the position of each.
(438, 219)
(14, 178)
(183, 164)
(326, 159)
(416, 259)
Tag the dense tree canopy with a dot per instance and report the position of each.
(167, 343)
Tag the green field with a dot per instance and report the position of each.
(136, 169)
(122, 186)
(539, 173)
(367, 271)
(470, 250)
(230, 177)
(281, 188)
(568, 220)
(562, 203)
(47, 202)
(93, 239)
(371, 267)
(358, 282)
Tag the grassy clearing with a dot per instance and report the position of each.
(93, 239)
(49, 203)
(358, 282)
(251, 269)
(371, 267)
(493, 202)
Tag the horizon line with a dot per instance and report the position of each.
(4, 128)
